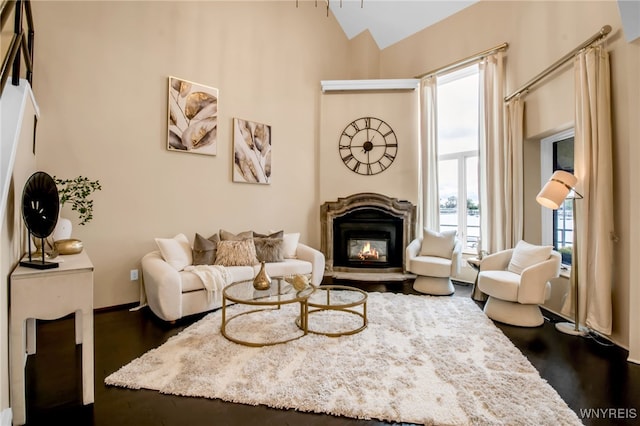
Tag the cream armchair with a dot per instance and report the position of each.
(434, 258)
(517, 281)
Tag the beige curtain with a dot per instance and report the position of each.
(430, 203)
(500, 161)
(594, 169)
(514, 176)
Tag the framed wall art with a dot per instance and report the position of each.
(192, 122)
(251, 152)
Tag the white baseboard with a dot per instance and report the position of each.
(6, 417)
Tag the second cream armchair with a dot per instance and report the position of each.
(434, 258)
(517, 281)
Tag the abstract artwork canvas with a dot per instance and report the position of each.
(252, 152)
(192, 117)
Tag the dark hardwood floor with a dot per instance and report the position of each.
(587, 373)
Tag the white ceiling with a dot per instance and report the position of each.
(390, 21)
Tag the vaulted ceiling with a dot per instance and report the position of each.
(390, 21)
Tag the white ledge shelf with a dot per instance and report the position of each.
(369, 85)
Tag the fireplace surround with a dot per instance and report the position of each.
(366, 232)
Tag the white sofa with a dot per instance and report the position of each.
(172, 294)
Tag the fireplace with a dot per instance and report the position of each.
(363, 234)
(366, 232)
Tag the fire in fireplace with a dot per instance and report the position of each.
(368, 251)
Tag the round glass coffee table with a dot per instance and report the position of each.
(330, 300)
(280, 293)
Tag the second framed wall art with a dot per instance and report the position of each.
(251, 152)
(192, 117)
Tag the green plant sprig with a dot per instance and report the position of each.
(77, 192)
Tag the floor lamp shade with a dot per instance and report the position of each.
(555, 191)
(552, 195)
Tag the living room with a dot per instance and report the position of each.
(100, 83)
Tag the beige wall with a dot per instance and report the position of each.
(364, 57)
(539, 33)
(629, 105)
(101, 81)
(400, 111)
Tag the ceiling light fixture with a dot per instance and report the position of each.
(327, 3)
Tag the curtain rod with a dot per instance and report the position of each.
(465, 61)
(604, 31)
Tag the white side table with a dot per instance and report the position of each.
(49, 294)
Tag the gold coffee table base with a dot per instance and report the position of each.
(338, 298)
(243, 293)
(304, 312)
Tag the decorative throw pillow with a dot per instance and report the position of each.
(269, 249)
(229, 236)
(439, 244)
(176, 251)
(291, 245)
(526, 255)
(278, 234)
(236, 253)
(204, 249)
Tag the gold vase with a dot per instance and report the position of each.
(262, 281)
(50, 251)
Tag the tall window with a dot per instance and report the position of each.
(557, 225)
(458, 153)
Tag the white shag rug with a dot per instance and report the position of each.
(426, 360)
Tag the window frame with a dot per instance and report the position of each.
(462, 213)
(546, 170)
(461, 159)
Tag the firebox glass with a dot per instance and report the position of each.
(368, 250)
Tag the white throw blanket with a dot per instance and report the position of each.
(213, 277)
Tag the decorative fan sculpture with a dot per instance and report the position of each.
(40, 208)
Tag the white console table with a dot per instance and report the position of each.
(49, 294)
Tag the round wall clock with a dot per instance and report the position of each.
(368, 146)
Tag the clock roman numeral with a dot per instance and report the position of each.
(356, 166)
(347, 158)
